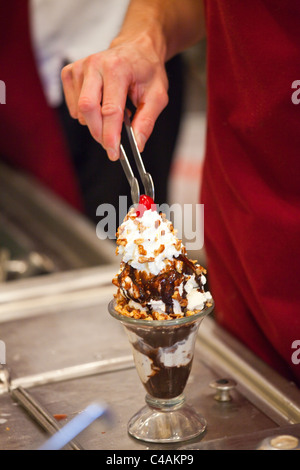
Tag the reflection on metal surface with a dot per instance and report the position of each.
(13, 294)
(32, 219)
(34, 264)
(74, 372)
(66, 300)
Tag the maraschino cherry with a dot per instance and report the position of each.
(145, 203)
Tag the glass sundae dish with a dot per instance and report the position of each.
(161, 302)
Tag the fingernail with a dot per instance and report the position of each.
(112, 153)
(141, 141)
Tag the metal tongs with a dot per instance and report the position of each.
(132, 180)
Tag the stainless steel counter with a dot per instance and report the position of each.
(68, 352)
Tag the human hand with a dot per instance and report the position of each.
(96, 89)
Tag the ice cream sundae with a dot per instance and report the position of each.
(160, 301)
(156, 280)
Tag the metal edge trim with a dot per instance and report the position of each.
(74, 372)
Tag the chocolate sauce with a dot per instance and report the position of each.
(164, 382)
(160, 287)
(189, 268)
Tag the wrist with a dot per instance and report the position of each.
(149, 38)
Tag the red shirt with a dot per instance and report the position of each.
(251, 180)
(30, 136)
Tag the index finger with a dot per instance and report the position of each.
(115, 91)
(89, 102)
(68, 88)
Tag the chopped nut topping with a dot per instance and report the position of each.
(139, 241)
(200, 270)
(160, 316)
(176, 295)
(142, 250)
(178, 266)
(159, 250)
(191, 312)
(177, 245)
(122, 241)
(144, 259)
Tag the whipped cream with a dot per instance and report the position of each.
(156, 280)
(197, 300)
(150, 240)
(160, 307)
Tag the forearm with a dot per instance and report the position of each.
(172, 25)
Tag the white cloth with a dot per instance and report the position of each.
(68, 30)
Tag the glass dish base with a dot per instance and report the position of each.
(166, 421)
